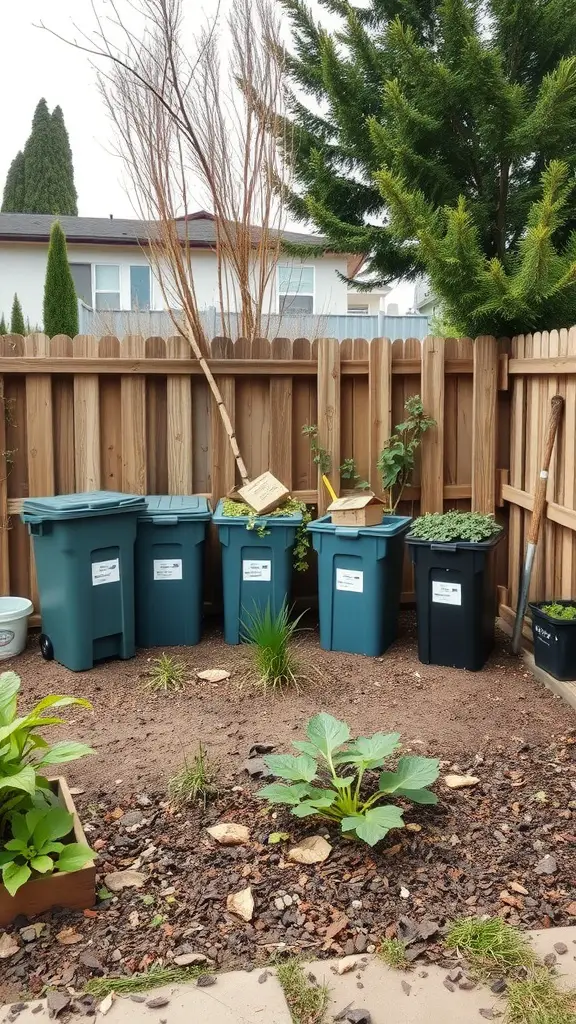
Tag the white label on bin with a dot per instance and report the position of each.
(261, 571)
(106, 572)
(348, 579)
(167, 568)
(446, 593)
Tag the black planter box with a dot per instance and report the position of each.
(554, 642)
(455, 601)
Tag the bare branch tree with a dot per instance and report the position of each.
(195, 118)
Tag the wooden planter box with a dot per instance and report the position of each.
(74, 890)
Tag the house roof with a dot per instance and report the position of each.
(199, 228)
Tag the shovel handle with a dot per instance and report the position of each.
(542, 481)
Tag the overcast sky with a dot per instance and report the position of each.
(36, 64)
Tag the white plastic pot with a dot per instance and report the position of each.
(14, 612)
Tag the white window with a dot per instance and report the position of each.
(140, 288)
(296, 290)
(358, 310)
(106, 286)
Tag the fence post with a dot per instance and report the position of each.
(179, 416)
(432, 472)
(133, 417)
(379, 404)
(329, 413)
(484, 420)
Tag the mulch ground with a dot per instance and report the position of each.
(474, 853)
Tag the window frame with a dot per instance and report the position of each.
(307, 294)
(357, 311)
(141, 266)
(106, 291)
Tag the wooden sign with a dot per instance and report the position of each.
(264, 494)
(357, 510)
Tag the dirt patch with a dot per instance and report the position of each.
(140, 738)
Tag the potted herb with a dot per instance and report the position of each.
(453, 556)
(554, 634)
(44, 858)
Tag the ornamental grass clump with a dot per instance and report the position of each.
(472, 527)
(325, 779)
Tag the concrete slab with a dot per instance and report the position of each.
(544, 941)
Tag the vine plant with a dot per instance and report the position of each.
(398, 457)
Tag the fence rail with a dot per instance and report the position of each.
(136, 416)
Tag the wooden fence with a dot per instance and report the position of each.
(540, 366)
(136, 416)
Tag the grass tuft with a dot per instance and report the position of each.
(491, 945)
(537, 1001)
(393, 953)
(269, 638)
(308, 1003)
(153, 978)
(195, 780)
(167, 675)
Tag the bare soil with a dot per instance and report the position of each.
(140, 738)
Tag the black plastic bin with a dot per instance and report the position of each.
(554, 641)
(455, 601)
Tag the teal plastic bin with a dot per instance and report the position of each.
(84, 554)
(359, 583)
(169, 570)
(256, 570)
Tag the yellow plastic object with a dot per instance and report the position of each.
(329, 487)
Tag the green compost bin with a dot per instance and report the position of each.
(84, 555)
(169, 570)
(256, 565)
(359, 583)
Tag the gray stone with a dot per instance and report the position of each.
(143, 801)
(205, 980)
(561, 948)
(406, 987)
(131, 818)
(546, 866)
(358, 1016)
(29, 933)
(356, 904)
(499, 986)
(466, 984)
(263, 977)
(38, 1008)
(448, 984)
(56, 1002)
(92, 962)
(138, 999)
(454, 975)
(116, 956)
(157, 1002)
(550, 959)
(360, 943)
(190, 959)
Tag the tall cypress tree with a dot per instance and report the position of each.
(3, 329)
(60, 303)
(17, 325)
(433, 99)
(14, 189)
(62, 157)
(39, 168)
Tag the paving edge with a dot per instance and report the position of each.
(565, 690)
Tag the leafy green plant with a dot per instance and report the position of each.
(326, 779)
(269, 637)
(348, 471)
(195, 780)
(490, 945)
(566, 612)
(320, 456)
(451, 526)
(398, 457)
(393, 953)
(239, 509)
(35, 848)
(24, 752)
(167, 675)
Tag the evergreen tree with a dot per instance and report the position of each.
(17, 325)
(60, 303)
(448, 99)
(13, 199)
(3, 329)
(62, 156)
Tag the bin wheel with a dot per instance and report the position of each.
(46, 648)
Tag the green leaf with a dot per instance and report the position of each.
(18, 777)
(374, 824)
(278, 793)
(411, 773)
(370, 751)
(308, 807)
(65, 751)
(51, 848)
(305, 747)
(42, 864)
(9, 687)
(75, 856)
(342, 783)
(278, 837)
(286, 766)
(327, 733)
(34, 816)
(56, 824)
(418, 796)
(5, 858)
(19, 828)
(59, 700)
(14, 876)
(17, 845)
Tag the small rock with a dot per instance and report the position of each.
(406, 987)
(116, 956)
(448, 984)
(137, 998)
(288, 901)
(56, 1002)
(312, 850)
(190, 959)
(546, 866)
(279, 903)
(498, 987)
(132, 818)
(92, 962)
(106, 1004)
(68, 937)
(550, 959)
(241, 903)
(460, 781)
(157, 1002)
(261, 748)
(516, 887)
(205, 980)
(423, 974)
(466, 984)
(263, 977)
(404, 893)
(229, 834)
(143, 800)
(489, 1014)
(118, 880)
(358, 1016)
(360, 943)
(38, 1008)
(213, 675)
(454, 975)
(346, 964)
(356, 904)
(336, 927)
(571, 909)
(256, 768)
(561, 948)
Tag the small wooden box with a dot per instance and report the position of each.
(357, 510)
(264, 494)
(75, 890)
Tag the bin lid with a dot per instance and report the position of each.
(80, 506)
(266, 517)
(183, 506)
(391, 526)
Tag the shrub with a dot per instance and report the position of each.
(398, 457)
(326, 779)
(567, 612)
(269, 638)
(452, 526)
